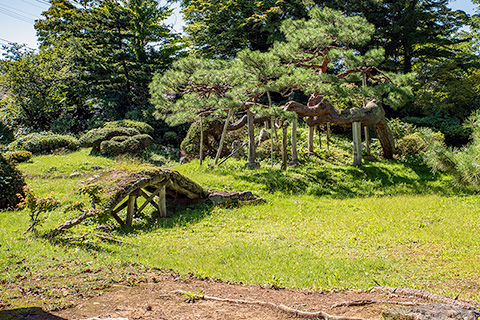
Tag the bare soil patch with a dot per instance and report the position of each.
(159, 300)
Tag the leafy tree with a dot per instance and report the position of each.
(37, 88)
(408, 30)
(223, 27)
(116, 47)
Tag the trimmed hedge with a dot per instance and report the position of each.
(95, 137)
(44, 142)
(11, 184)
(142, 127)
(18, 156)
(124, 144)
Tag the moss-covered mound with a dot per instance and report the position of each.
(94, 138)
(111, 187)
(44, 143)
(11, 184)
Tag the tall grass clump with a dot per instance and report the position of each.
(462, 163)
(44, 143)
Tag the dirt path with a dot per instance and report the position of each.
(158, 300)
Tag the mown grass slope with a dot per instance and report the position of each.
(324, 225)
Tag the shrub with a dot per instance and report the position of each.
(11, 184)
(6, 132)
(18, 156)
(400, 128)
(170, 137)
(141, 127)
(44, 142)
(122, 145)
(450, 126)
(264, 149)
(95, 137)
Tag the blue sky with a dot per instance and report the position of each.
(17, 18)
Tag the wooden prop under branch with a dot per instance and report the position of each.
(320, 111)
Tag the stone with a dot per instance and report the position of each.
(432, 312)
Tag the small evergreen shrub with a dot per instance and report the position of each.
(123, 145)
(18, 156)
(264, 150)
(11, 184)
(95, 137)
(44, 143)
(170, 137)
(450, 126)
(400, 128)
(141, 127)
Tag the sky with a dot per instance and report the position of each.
(17, 19)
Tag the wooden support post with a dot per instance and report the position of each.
(294, 142)
(132, 200)
(328, 135)
(319, 131)
(367, 141)
(284, 145)
(201, 140)
(251, 140)
(222, 138)
(162, 204)
(357, 143)
(310, 139)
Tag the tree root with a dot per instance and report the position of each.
(280, 307)
(429, 296)
(365, 302)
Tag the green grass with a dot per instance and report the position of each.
(324, 225)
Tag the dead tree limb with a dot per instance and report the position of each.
(70, 224)
(429, 296)
(366, 302)
(277, 307)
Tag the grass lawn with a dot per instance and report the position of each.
(324, 225)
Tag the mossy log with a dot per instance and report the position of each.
(319, 111)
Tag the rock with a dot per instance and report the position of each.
(225, 198)
(432, 312)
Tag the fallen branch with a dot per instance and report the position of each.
(70, 224)
(281, 307)
(428, 296)
(365, 302)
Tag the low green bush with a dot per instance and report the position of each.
(6, 132)
(95, 137)
(123, 145)
(141, 127)
(44, 142)
(450, 126)
(18, 156)
(11, 184)
(400, 128)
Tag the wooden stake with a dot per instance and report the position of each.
(357, 143)
(367, 140)
(201, 140)
(294, 141)
(310, 139)
(328, 135)
(319, 131)
(284, 145)
(132, 201)
(222, 138)
(251, 140)
(162, 203)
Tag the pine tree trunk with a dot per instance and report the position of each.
(284, 145)
(201, 140)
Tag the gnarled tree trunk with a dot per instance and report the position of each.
(319, 111)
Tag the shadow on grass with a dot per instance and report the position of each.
(370, 179)
(33, 313)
